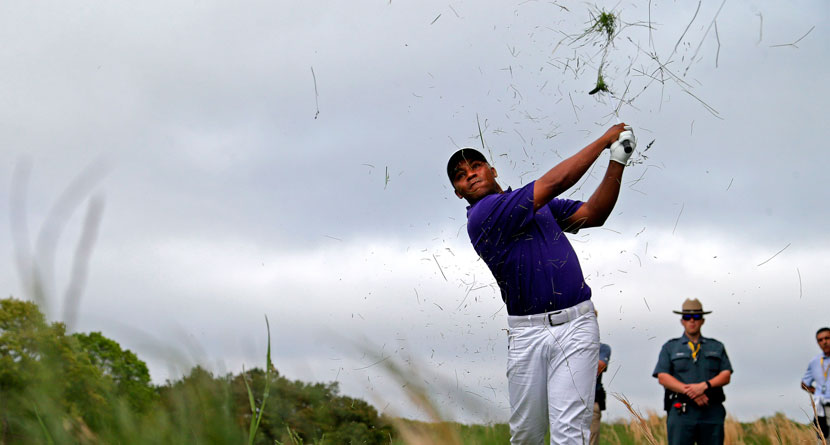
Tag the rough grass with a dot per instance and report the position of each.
(774, 430)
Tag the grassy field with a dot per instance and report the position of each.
(777, 429)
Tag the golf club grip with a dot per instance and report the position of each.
(627, 146)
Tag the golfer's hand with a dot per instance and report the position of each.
(624, 146)
(702, 400)
(694, 390)
(613, 134)
(809, 389)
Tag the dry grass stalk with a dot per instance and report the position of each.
(776, 430)
(732, 431)
(779, 430)
(644, 427)
(815, 415)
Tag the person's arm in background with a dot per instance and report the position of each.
(807, 380)
(695, 390)
(670, 382)
(604, 358)
(663, 371)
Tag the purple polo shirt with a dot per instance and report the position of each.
(529, 255)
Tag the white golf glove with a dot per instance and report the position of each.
(622, 149)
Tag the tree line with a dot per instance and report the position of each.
(57, 387)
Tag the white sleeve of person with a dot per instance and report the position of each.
(620, 152)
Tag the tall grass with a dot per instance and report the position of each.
(775, 430)
(256, 414)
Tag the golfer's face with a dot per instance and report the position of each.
(692, 326)
(474, 180)
(823, 340)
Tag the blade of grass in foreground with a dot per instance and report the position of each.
(43, 427)
(256, 415)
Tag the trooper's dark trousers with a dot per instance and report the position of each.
(821, 423)
(685, 429)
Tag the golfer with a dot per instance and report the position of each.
(553, 341)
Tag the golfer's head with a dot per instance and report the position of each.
(471, 175)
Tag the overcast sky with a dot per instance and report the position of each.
(288, 159)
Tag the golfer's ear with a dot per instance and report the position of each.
(495, 173)
(458, 194)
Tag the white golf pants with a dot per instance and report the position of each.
(551, 373)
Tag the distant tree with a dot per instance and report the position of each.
(41, 366)
(314, 412)
(129, 374)
(200, 405)
(80, 378)
(22, 334)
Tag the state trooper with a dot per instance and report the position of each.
(693, 370)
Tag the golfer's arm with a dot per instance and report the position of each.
(596, 210)
(722, 379)
(565, 174)
(669, 382)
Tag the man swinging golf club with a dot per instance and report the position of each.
(553, 341)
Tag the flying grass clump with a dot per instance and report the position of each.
(600, 86)
(603, 24)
